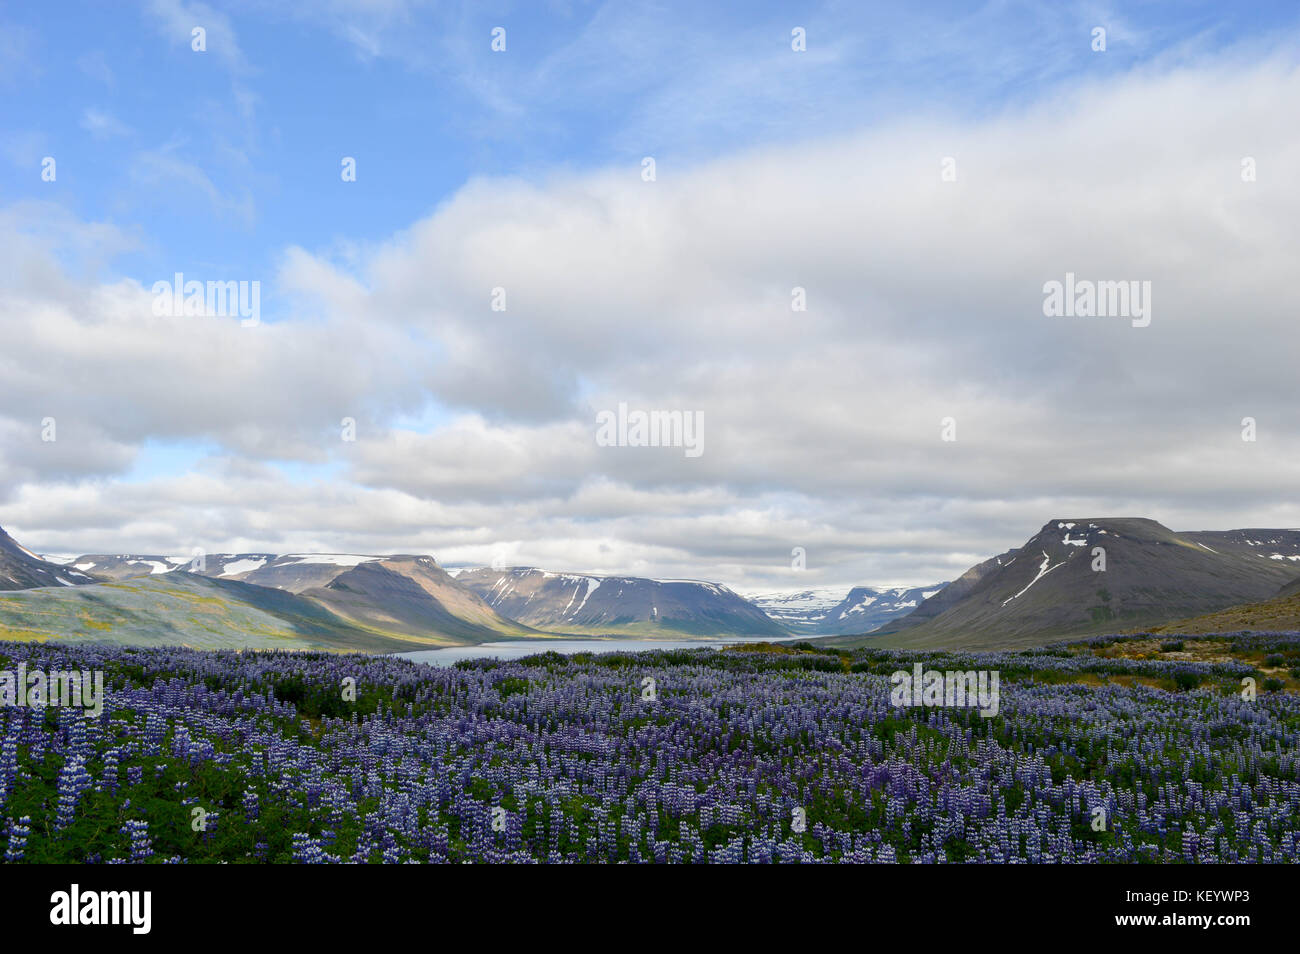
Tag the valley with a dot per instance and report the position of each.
(1073, 578)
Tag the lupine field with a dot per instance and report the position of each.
(560, 759)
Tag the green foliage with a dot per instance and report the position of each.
(512, 686)
(170, 786)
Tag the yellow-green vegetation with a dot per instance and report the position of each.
(1198, 650)
(23, 635)
(191, 611)
(1282, 666)
(1218, 662)
(826, 658)
(763, 647)
(1276, 615)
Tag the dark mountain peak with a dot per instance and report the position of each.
(21, 569)
(12, 547)
(1060, 584)
(1073, 531)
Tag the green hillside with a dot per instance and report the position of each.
(188, 610)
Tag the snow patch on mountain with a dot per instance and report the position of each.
(593, 585)
(1043, 570)
(241, 566)
(834, 610)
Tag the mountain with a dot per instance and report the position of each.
(191, 610)
(1280, 546)
(953, 593)
(410, 595)
(1279, 614)
(21, 569)
(124, 566)
(1048, 588)
(827, 611)
(1044, 590)
(626, 605)
(316, 599)
(799, 611)
(413, 595)
(294, 572)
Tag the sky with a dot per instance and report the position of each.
(838, 269)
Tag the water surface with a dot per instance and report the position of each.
(518, 648)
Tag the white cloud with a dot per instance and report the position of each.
(822, 427)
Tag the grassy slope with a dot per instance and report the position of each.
(207, 613)
(1281, 614)
(920, 639)
(194, 611)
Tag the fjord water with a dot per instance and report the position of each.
(517, 649)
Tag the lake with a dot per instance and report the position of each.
(517, 648)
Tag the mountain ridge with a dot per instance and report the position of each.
(1072, 578)
(594, 604)
(1151, 575)
(830, 611)
(21, 569)
(188, 610)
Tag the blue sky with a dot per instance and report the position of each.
(220, 160)
(522, 168)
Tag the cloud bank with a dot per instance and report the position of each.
(475, 427)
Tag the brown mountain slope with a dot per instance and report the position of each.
(1280, 614)
(1049, 588)
(413, 595)
(577, 603)
(21, 569)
